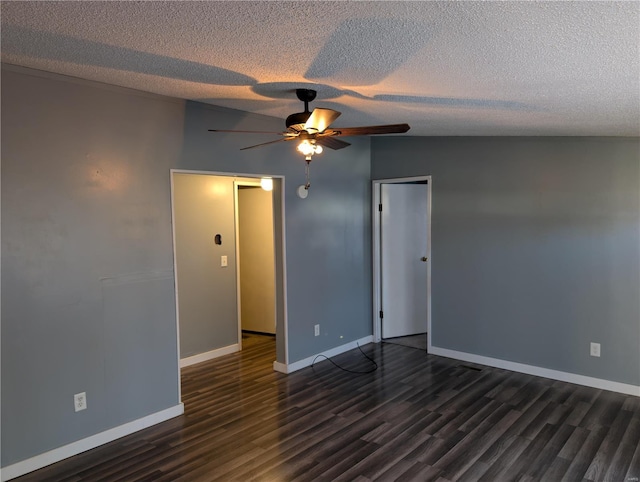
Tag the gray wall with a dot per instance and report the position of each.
(204, 207)
(87, 268)
(535, 247)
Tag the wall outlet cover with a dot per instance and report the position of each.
(80, 401)
(595, 349)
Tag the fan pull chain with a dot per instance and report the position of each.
(306, 173)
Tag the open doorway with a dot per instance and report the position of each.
(256, 261)
(207, 268)
(402, 274)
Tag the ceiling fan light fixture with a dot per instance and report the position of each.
(309, 148)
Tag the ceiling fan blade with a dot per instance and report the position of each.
(332, 142)
(245, 132)
(267, 143)
(320, 119)
(367, 130)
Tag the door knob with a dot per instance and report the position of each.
(424, 259)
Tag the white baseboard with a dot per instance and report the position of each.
(307, 362)
(280, 367)
(34, 463)
(209, 355)
(538, 371)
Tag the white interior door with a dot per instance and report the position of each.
(403, 250)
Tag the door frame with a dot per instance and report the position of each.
(281, 257)
(377, 253)
(236, 213)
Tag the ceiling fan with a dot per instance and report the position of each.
(312, 128)
(313, 131)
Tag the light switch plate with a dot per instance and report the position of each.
(223, 261)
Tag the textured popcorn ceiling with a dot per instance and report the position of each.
(446, 68)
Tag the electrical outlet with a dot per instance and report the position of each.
(316, 330)
(80, 401)
(595, 349)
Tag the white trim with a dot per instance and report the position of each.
(429, 332)
(236, 220)
(307, 362)
(375, 251)
(236, 227)
(377, 281)
(75, 448)
(396, 180)
(175, 280)
(538, 371)
(226, 174)
(280, 367)
(209, 355)
(285, 310)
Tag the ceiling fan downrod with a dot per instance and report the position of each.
(307, 184)
(306, 96)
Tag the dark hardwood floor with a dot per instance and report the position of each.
(413, 341)
(417, 418)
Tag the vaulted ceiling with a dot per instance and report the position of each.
(446, 68)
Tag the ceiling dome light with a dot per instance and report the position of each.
(266, 183)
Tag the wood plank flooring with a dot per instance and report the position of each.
(417, 418)
(413, 341)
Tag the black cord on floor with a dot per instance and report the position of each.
(346, 369)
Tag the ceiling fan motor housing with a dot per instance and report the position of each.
(297, 121)
(306, 96)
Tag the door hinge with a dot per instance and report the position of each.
(380, 207)
(381, 314)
